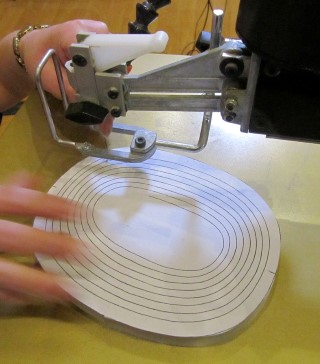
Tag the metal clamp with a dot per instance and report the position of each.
(143, 144)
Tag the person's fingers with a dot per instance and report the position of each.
(23, 201)
(32, 282)
(24, 179)
(105, 127)
(93, 25)
(22, 239)
(68, 32)
(58, 37)
(14, 298)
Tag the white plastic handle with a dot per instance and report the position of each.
(110, 50)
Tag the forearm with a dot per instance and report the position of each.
(15, 82)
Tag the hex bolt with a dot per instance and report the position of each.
(230, 104)
(230, 117)
(115, 111)
(79, 60)
(140, 142)
(113, 93)
(86, 146)
(231, 69)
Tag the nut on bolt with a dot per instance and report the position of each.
(231, 67)
(79, 60)
(230, 104)
(113, 93)
(229, 117)
(140, 142)
(115, 111)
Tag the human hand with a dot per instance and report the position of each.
(59, 37)
(34, 45)
(19, 283)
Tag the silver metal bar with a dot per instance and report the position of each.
(43, 97)
(124, 128)
(199, 73)
(173, 84)
(126, 155)
(203, 65)
(60, 81)
(158, 102)
(217, 19)
(250, 91)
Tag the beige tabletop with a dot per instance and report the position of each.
(286, 174)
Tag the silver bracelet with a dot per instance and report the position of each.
(17, 38)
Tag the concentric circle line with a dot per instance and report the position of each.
(155, 293)
(208, 282)
(155, 317)
(232, 217)
(240, 192)
(187, 277)
(170, 268)
(205, 288)
(154, 309)
(166, 179)
(210, 272)
(199, 177)
(244, 262)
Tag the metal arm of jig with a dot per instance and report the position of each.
(221, 79)
(143, 142)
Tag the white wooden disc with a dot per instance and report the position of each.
(171, 246)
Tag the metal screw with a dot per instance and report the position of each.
(140, 142)
(79, 60)
(230, 104)
(115, 111)
(231, 69)
(113, 93)
(86, 146)
(230, 117)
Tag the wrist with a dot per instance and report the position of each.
(18, 40)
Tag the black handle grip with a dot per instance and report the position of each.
(86, 113)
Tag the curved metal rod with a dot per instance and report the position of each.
(43, 97)
(202, 142)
